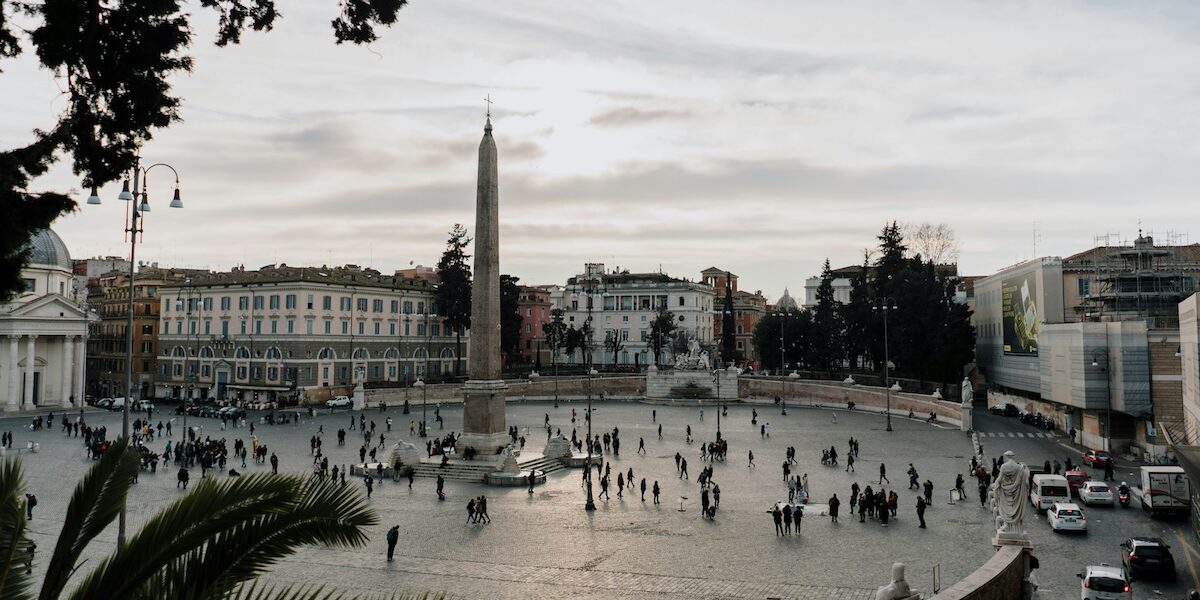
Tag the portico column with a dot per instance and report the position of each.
(30, 359)
(80, 363)
(14, 357)
(66, 372)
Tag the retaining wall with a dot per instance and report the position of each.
(1000, 578)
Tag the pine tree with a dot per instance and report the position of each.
(454, 289)
(856, 316)
(728, 347)
(827, 327)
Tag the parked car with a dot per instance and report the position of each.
(1148, 557)
(1097, 458)
(1065, 516)
(338, 401)
(104, 402)
(1005, 410)
(1095, 492)
(1075, 479)
(1103, 582)
(142, 405)
(116, 404)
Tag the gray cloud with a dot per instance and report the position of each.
(628, 115)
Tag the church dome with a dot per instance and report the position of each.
(786, 302)
(49, 250)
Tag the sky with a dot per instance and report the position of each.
(758, 136)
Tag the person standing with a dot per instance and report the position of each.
(834, 504)
(921, 511)
(1108, 471)
(393, 536)
(862, 508)
(655, 491)
(441, 487)
(654, 415)
(531, 482)
(643, 486)
(777, 515)
(30, 502)
(660, 431)
(883, 474)
(641, 446)
(716, 495)
(787, 519)
(274, 464)
(928, 491)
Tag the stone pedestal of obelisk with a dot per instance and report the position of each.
(483, 403)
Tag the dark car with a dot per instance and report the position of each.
(1147, 557)
(1075, 479)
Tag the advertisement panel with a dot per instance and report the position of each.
(1020, 314)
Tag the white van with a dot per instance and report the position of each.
(1045, 490)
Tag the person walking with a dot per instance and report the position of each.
(751, 460)
(683, 468)
(1108, 471)
(531, 482)
(471, 511)
(678, 457)
(958, 485)
(787, 519)
(641, 446)
(849, 463)
(660, 431)
(921, 504)
(441, 487)
(603, 488)
(370, 481)
(411, 474)
(883, 474)
(481, 508)
(716, 495)
(834, 504)
(393, 536)
(655, 491)
(913, 477)
(654, 416)
(182, 478)
(620, 484)
(983, 493)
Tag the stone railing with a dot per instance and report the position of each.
(1000, 578)
(616, 387)
(801, 392)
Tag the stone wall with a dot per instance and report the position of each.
(660, 383)
(802, 392)
(624, 387)
(1000, 578)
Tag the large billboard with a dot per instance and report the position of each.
(1020, 311)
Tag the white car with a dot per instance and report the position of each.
(1095, 492)
(338, 401)
(1064, 516)
(1105, 583)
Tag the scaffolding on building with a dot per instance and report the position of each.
(1139, 280)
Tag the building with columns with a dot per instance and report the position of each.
(43, 346)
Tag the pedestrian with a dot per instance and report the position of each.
(787, 519)
(481, 507)
(834, 504)
(643, 486)
(441, 487)
(678, 457)
(641, 446)
(1108, 471)
(182, 478)
(921, 504)
(862, 508)
(751, 460)
(716, 495)
(849, 463)
(913, 477)
(883, 474)
(787, 471)
(274, 464)
(370, 481)
(654, 415)
(683, 468)
(928, 491)
(1057, 467)
(660, 431)
(30, 502)
(983, 493)
(603, 488)
(393, 536)
(655, 491)
(620, 484)
(470, 511)
(777, 515)
(762, 431)
(531, 482)
(411, 473)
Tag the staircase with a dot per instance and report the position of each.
(462, 470)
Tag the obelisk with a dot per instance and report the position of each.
(483, 402)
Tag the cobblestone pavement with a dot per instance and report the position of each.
(545, 545)
(1063, 555)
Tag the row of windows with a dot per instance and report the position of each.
(185, 304)
(205, 327)
(274, 353)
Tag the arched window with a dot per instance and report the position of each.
(361, 354)
(326, 354)
(447, 353)
(391, 353)
(178, 351)
(273, 353)
(242, 353)
(206, 352)
(419, 353)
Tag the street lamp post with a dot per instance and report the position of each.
(591, 289)
(139, 203)
(886, 305)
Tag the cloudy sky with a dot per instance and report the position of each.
(757, 136)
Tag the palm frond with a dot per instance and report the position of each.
(14, 583)
(259, 591)
(225, 533)
(96, 501)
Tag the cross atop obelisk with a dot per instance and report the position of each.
(483, 402)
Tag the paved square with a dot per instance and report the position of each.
(545, 545)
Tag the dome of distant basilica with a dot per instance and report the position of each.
(48, 250)
(786, 303)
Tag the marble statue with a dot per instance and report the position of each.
(693, 348)
(704, 360)
(898, 589)
(968, 394)
(1009, 493)
(695, 359)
